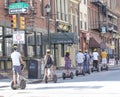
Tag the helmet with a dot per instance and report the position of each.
(67, 51)
(86, 51)
(15, 46)
(80, 50)
(48, 50)
(95, 49)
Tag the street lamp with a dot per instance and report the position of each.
(48, 10)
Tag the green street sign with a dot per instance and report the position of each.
(18, 5)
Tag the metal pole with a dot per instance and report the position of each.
(48, 22)
(79, 24)
(18, 27)
(35, 40)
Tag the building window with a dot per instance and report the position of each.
(6, 3)
(85, 25)
(84, 1)
(51, 8)
(32, 3)
(81, 25)
(61, 9)
(42, 7)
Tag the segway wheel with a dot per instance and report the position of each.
(55, 78)
(76, 73)
(88, 71)
(71, 75)
(83, 72)
(92, 69)
(98, 69)
(101, 68)
(46, 79)
(107, 68)
(63, 75)
(12, 86)
(22, 84)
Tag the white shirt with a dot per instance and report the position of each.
(95, 55)
(16, 58)
(80, 57)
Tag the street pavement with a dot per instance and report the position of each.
(6, 79)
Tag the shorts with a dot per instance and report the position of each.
(17, 70)
(48, 65)
(80, 64)
(104, 61)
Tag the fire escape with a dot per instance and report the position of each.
(102, 13)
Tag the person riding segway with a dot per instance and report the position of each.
(80, 61)
(86, 62)
(49, 71)
(18, 81)
(68, 73)
(95, 56)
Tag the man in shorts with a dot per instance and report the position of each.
(16, 64)
(80, 59)
(104, 57)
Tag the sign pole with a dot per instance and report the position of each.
(18, 28)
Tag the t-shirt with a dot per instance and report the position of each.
(80, 57)
(16, 58)
(95, 55)
(104, 54)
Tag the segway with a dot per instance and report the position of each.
(64, 75)
(48, 78)
(81, 71)
(77, 72)
(95, 69)
(21, 84)
(104, 67)
(88, 71)
(54, 79)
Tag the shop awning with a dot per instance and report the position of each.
(65, 38)
(94, 43)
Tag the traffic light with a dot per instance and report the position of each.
(14, 21)
(22, 22)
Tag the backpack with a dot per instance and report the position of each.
(85, 57)
(49, 60)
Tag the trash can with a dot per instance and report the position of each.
(34, 69)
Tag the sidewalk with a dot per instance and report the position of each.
(6, 77)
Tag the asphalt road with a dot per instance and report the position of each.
(97, 84)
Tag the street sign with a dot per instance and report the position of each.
(16, 11)
(19, 37)
(16, 8)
